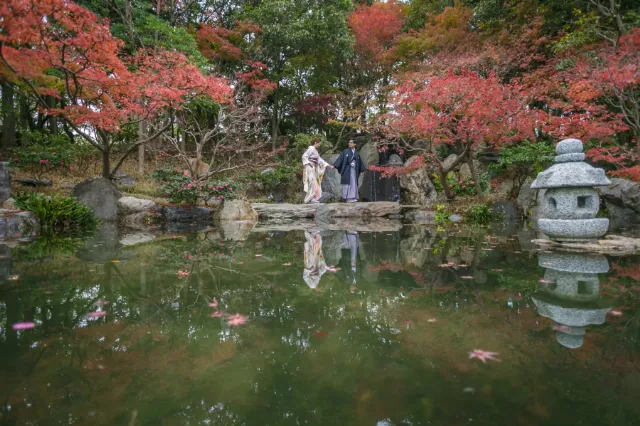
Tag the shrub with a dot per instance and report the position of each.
(179, 188)
(442, 214)
(462, 186)
(43, 153)
(480, 214)
(302, 141)
(57, 211)
(280, 176)
(523, 161)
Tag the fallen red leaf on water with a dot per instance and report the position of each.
(96, 314)
(237, 319)
(23, 325)
(484, 355)
(320, 334)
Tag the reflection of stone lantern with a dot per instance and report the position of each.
(572, 294)
(570, 204)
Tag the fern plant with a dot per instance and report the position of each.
(57, 212)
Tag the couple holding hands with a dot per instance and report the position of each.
(349, 165)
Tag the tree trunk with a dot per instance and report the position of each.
(26, 121)
(8, 117)
(615, 12)
(106, 164)
(106, 161)
(274, 122)
(52, 119)
(128, 13)
(141, 136)
(445, 185)
(183, 142)
(475, 176)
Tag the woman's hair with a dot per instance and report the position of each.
(315, 141)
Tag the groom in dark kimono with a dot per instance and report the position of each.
(350, 166)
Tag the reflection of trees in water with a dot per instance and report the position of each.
(622, 341)
(333, 354)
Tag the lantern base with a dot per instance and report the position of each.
(574, 229)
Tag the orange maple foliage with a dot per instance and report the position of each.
(59, 49)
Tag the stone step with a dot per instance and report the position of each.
(291, 212)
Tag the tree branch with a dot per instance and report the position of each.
(137, 144)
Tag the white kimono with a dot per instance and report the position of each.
(312, 175)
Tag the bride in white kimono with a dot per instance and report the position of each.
(313, 172)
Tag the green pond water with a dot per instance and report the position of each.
(383, 338)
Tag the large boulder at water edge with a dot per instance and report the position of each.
(416, 186)
(369, 154)
(622, 199)
(5, 183)
(331, 189)
(530, 200)
(100, 195)
(237, 210)
(131, 205)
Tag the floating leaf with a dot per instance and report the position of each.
(23, 325)
(484, 356)
(237, 319)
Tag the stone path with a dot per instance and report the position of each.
(284, 213)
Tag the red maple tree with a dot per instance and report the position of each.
(595, 97)
(57, 48)
(464, 111)
(376, 28)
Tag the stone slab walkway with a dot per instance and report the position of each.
(320, 212)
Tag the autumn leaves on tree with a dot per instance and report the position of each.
(62, 50)
(228, 82)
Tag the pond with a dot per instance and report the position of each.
(415, 326)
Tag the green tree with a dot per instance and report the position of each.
(304, 44)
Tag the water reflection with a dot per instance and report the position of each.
(387, 337)
(314, 263)
(571, 294)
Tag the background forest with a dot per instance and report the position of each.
(222, 87)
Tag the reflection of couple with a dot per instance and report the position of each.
(348, 164)
(314, 263)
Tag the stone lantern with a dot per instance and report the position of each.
(571, 294)
(571, 203)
